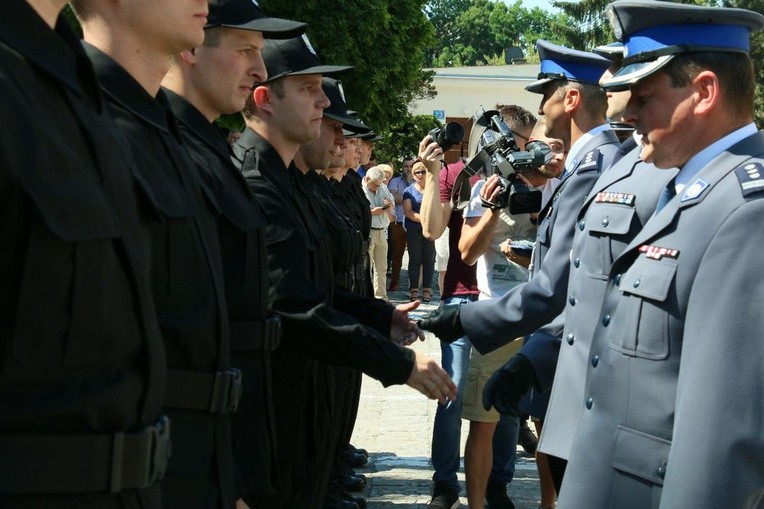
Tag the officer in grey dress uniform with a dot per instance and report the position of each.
(493, 323)
(678, 341)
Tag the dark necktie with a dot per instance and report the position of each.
(668, 192)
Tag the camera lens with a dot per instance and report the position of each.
(451, 134)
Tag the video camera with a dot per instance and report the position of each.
(496, 152)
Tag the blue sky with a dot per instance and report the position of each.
(529, 4)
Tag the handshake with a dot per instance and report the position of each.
(507, 385)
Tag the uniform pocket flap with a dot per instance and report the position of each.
(650, 279)
(610, 219)
(73, 209)
(640, 454)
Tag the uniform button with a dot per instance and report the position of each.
(662, 471)
(637, 283)
(577, 262)
(581, 225)
(606, 320)
(572, 300)
(617, 279)
(605, 222)
(571, 338)
(595, 360)
(589, 403)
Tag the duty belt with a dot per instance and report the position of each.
(217, 392)
(84, 463)
(252, 335)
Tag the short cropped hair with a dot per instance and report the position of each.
(734, 70)
(594, 97)
(516, 117)
(250, 108)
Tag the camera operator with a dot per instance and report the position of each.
(460, 286)
(574, 106)
(484, 230)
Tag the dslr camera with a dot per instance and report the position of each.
(497, 152)
(447, 136)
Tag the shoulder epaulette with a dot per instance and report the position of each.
(750, 175)
(589, 162)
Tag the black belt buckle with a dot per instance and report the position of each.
(272, 332)
(162, 448)
(140, 459)
(226, 391)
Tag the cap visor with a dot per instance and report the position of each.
(326, 70)
(274, 28)
(537, 86)
(349, 123)
(632, 73)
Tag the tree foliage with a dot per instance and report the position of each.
(385, 40)
(477, 32)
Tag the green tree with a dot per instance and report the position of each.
(385, 40)
(477, 32)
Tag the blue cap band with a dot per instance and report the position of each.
(706, 36)
(574, 71)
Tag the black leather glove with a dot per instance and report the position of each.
(508, 384)
(444, 323)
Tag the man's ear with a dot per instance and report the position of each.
(263, 98)
(188, 56)
(706, 92)
(572, 99)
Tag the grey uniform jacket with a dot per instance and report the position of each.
(679, 347)
(616, 209)
(492, 323)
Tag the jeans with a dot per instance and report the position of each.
(421, 258)
(446, 432)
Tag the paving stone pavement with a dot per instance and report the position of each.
(395, 426)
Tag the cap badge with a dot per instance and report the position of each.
(309, 45)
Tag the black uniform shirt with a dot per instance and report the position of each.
(311, 326)
(186, 278)
(242, 243)
(80, 350)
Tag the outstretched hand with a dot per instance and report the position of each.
(444, 323)
(403, 330)
(431, 380)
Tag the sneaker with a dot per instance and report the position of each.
(444, 497)
(526, 439)
(496, 496)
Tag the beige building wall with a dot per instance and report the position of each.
(462, 90)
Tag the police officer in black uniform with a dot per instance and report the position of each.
(346, 245)
(131, 55)
(83, 370)
(286, 112)
(234, 36)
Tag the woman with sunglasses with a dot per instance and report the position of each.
(421, 250)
